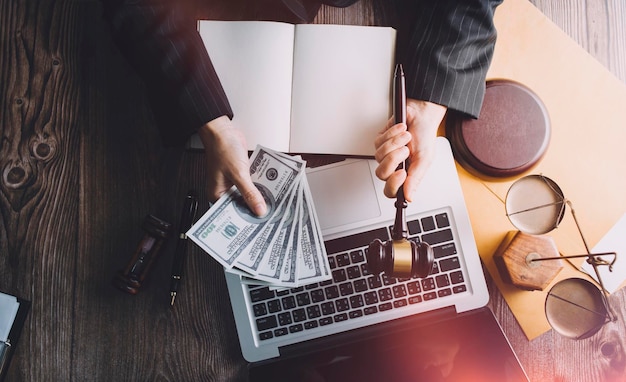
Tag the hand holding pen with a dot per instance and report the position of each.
(412, 141)
(186, 220)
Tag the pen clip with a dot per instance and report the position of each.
(189, 214)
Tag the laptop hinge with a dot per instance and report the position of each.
(366, 333)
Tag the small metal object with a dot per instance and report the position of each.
(575, 308)
(535, 204)
(130, 278)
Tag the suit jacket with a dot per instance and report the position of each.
(445, 47)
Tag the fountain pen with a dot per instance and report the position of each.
(186, 220)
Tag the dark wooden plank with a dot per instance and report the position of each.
(361, 13)
(41, 103)
(126, 174)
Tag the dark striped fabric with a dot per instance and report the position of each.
(161, 42)
(445, 45)
(446, 48)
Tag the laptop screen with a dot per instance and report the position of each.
(470, 347)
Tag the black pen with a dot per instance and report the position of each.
(399, 108)
(186, 220)
(399, 95)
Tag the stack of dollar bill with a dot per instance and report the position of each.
(282, 248)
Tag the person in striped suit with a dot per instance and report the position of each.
(445, 47)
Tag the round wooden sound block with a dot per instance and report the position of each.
(510, 136)
(514, 256)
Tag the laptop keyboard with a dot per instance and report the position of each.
(354, 293)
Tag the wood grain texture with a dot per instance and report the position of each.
(72, 213)
(41, 102)
(81, 164)
(599, 26)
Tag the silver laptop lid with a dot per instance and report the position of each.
(349, 200)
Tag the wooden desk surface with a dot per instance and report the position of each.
(82, 165)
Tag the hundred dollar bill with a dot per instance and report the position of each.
(294, 160)
(316, 227)
(256, 257)
(252, 256)
(229, 226)
(278, 268)
(275, 249)
(271, 267)
(288, 275)
(312, 264)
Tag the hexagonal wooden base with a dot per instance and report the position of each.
(513, 260)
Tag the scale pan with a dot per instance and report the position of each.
(574, 308)
(535, 204)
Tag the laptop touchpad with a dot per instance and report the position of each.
(344, 193)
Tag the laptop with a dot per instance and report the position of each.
(355, 305)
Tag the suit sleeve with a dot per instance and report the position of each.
(160, 41)
(446, 48)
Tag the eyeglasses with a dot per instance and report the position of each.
(574, 307)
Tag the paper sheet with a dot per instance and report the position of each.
(613, 241)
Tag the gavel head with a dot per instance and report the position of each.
(400, 258)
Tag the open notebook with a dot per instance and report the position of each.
(306, 88)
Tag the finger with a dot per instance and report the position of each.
(251, 195)
(390, 122)
(416, 172)
(389, 132)
(389, 143)
(254, 200)
(389, 164)
(393, 183)
(393, 147)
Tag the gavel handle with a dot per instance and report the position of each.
(400, 228)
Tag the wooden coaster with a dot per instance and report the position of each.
(510, 136)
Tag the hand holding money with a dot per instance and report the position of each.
(285, 246)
